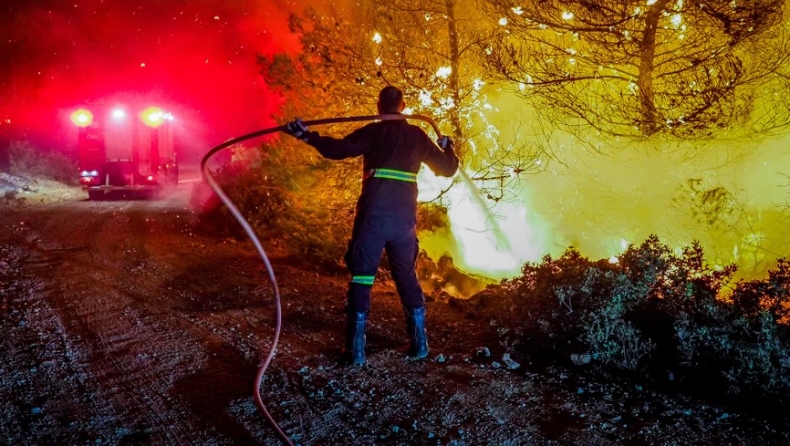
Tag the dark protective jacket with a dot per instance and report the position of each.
(392, 153)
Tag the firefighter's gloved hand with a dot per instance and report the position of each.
(446, 144)
(297, 128)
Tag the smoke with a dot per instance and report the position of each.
(600, 196)
(198, 58)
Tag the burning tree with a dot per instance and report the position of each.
(429, 50)
(639, 68)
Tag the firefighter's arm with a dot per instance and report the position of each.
(442, 159)
(328, 147)
(354, 144)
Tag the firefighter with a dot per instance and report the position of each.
(386, 213)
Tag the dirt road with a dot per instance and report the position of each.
(123, 325)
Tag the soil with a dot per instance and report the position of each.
(124, 324)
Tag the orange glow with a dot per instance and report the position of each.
(82, 118)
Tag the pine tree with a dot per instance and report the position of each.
(639, 68)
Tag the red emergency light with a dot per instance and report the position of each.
(82, 118)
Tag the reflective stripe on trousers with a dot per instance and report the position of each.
(363, 280)
(398, 238)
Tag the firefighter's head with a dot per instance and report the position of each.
(390, 100)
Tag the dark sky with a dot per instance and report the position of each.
(195, 57)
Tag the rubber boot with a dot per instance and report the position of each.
(355, 337)
(418, 337)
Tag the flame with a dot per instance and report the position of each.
(493, 243)
(425, 98)
(444, 72)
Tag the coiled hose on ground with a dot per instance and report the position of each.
(254, 238)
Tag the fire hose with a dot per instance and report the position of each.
(257, 243)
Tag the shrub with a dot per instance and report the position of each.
(772, 294)
(762, 314)
(27, 161)
(657, 311)
(575, 306)
(291, 195)
(609, 334)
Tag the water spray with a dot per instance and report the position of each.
(256, 242)
(489, 216)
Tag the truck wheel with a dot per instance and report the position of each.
(95, 195)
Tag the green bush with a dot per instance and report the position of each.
(608, 332)
(653, 310)
(762, 314)
(27, 161)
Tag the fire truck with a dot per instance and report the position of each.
(125, 153)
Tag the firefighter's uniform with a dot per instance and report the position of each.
(386, 212)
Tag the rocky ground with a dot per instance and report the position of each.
(123, 323)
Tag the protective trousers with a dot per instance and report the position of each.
(371, 235)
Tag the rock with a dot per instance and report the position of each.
(439, 295)
(509, 363)
(482, 351)
(486, 298)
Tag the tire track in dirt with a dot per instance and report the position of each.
(92, 307)
(43, 382)
(106, 293)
